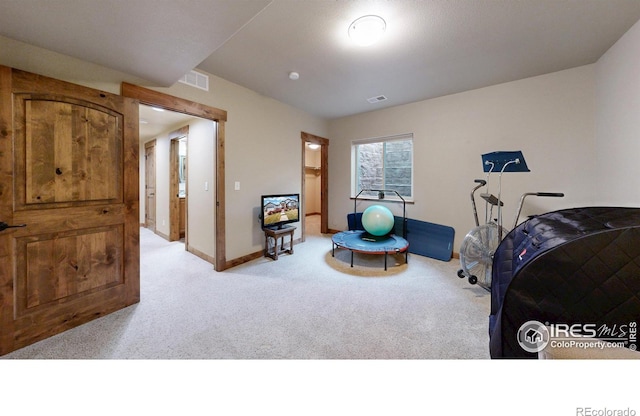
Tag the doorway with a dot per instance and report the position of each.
(315, 181)
(184, 213)
(178, 212)
(150, 185)
(157, 99)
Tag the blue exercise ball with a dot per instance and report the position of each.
(377, 220)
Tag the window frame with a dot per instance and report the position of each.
(355, 169)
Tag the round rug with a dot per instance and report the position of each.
(366, 265)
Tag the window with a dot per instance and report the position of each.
(383, 163)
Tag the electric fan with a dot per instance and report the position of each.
(476, 253)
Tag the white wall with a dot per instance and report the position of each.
(550, 118)
(200, 172)
(163, 149)
(618, 122)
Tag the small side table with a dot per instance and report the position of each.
(278, 233)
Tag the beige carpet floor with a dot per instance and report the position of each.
(308, 305)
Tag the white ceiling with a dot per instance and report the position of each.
(157, 40)
(153, 123)
(431, 48)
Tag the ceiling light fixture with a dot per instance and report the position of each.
(367, 30)
(313, 146)
(158, 109)
(294, 76)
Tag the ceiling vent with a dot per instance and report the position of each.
(196, 79)
(377, 99)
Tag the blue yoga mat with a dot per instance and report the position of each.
(430, 240)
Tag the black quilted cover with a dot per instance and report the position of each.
(578, 265)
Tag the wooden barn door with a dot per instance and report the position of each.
(69, 174)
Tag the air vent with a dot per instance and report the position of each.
(377, 99)
(196, 79)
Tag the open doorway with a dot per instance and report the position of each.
(315, 184)
(178, 196)
(213, 188)
(149, 209)
(183, 213)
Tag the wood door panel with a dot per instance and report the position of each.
(42, 323)
(63, 219)
(69, 155)
(6, 212)
(59, 267)
(70, 152)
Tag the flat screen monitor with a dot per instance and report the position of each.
(280, 209)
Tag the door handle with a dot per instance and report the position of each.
(4, 226)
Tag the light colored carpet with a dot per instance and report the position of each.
(308, 305)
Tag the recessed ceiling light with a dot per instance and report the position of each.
(367, 30)
(294, 75)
